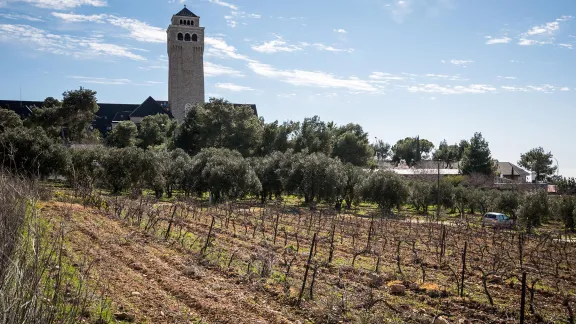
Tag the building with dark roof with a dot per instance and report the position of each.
(108, 114)
(185, 80)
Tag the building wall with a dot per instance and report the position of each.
(136, 120)
(185, 67)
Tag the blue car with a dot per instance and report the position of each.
(496, 220)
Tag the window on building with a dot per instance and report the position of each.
(194, 38)
(180, 21)
(192, 23)
(188, 22)
(180, 36)
(187, 37)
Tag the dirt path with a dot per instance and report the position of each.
(146, 278)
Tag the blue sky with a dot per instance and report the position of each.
(441, 69)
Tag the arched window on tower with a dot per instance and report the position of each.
(194, 38)
(192, 23)
(180, 36)
(180, 21)
(187, 37)
(188, 22)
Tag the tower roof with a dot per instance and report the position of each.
(185, 13)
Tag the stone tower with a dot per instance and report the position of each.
(185, 63)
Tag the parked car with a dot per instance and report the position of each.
(496, 220)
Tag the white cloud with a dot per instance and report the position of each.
(544, 88)
(152, 67)
(340, 31)
(438, 76)
(275, 46)
(286, 95)
(514, 89)
(385, 76)
(529, 42)
(568, 46)
(322, 47)
(234, 16)
(564, 89)
(542, 34)
(15, 16)
(78, 47)
(233, 87)
(447, 89)
(548, 28)
(500, 40)
(94, 80)
(507, 77)
(312, 78)
(137, 29)
(280, 45)
(224, 4)
(219, 48)
(211, 69)
(230, 21)
(462, 63)
(70, 17)
(63, 4)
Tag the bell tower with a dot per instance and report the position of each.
(185, 63)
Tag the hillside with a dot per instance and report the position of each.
(252, 268)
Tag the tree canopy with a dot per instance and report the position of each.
(538, 161)
(384, 188)
(412, 150)
(69, 118)
(351, 145)
(314, 136)
(477, 157)
(220, 124)
(123, 135)
(155, 130)
(9, 119)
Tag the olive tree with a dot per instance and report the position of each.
(271, 172)
(534, 210)
(508, 202)
(124, 168)
(317, 177)
(354, 177)
(421, 195)
(384, 188)
(86, 167)
(9, 119)
(123, 135)
(224, 173)
(30, 152)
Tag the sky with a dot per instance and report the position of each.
(438, 69)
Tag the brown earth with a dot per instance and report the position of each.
(144, 277)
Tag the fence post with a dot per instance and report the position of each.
(307, 268)
(331, 255)
(463, 269)
(523, 298)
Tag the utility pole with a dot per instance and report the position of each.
(438, 194)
